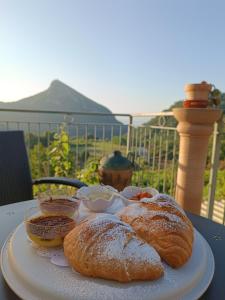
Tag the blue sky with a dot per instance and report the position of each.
(129, 55)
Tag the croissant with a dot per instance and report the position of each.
(105, 247)
(164, 226)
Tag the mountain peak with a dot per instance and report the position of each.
(57, 83)
(60, 97)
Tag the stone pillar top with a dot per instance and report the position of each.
(197, 115)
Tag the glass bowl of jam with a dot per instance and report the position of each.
(136, 194)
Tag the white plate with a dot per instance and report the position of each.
(33, 277)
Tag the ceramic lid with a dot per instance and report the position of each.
(116, 161)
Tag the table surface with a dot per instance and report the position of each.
(13, 214)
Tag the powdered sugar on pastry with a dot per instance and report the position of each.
(164, 225)
(136, 211)
(105, 247)
(163, 200)
(120, 240)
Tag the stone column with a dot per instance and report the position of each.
(195, 127)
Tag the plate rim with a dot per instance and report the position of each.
(205, 281)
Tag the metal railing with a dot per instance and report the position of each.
(150, 137)
(155, 148)
(216, 210)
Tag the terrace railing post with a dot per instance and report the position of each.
(129, 133)
(195, 127)
(218, 130)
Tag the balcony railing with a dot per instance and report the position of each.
(151, 139)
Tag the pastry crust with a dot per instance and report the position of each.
(105, 247)
(163, 225)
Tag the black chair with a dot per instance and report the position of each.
(15, 177)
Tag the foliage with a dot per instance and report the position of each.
(32, 139)
(39, 161)
(89, 174)
(220, 185)
(58, 153)
(120, 140)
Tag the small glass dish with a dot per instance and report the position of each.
(47, 230)
(52, 204)
(136, 194)
(97, 198)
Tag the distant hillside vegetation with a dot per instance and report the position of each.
(171, 121)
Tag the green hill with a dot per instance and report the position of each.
(58, 97)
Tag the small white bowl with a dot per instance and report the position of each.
(97, 198)
(131, 191)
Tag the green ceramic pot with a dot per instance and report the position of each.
(116, 170)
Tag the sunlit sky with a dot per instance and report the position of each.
(129, 55)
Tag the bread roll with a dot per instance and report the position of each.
(163, 225)
(105, 247)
